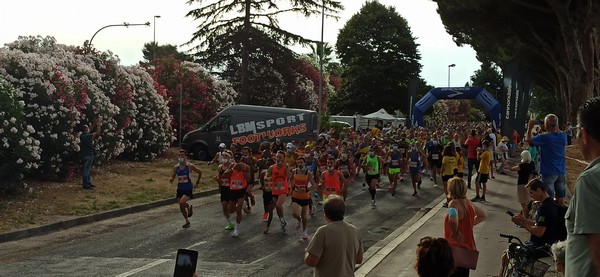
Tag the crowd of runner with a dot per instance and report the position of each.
(309, 171)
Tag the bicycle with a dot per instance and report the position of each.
(524, 260)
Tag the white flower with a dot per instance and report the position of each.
(14, 130)
(21, 142)
(19, 161)
(30, 129)
(13, 120)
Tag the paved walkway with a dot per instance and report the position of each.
(396, 256)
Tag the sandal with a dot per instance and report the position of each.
(187, 225)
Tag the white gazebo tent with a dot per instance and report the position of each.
(381, 114)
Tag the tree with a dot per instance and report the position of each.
(153, 51)
(231, 30)
(556, 40)
(379, 56)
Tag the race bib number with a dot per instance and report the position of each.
(182, 179)
(395, 162)
(300, 188)
(225, 182)
(413, 164)
(237, 184)
(279, 186)
(344, 168)
(371, 170)
(330, 189)
(435, 156)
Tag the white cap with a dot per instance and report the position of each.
(222, 145)
(290, 145)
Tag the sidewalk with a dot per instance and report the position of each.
(397, 257)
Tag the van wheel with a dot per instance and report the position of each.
(201, 153)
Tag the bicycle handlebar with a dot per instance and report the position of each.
(511, 237)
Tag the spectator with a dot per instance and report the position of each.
(525, 170)
(88, 153)
(583, 243)
(570, 132)
(558, 252)
(552, 156)
(335, 247)
(434, 258)
(462, 216)
(471, 144)
(548, 226)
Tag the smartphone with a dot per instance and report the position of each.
(510, 213)
(185, 263)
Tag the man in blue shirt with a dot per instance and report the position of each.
(552, 156)
(87, 151)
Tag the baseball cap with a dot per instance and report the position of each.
(222, 145)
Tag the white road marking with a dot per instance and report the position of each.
(140, 269)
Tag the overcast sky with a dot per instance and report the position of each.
(74, 21)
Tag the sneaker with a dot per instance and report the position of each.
(265, 216)
(435, 186)
(445, 205)
(298, 226)
(190, 211)
(476, 198)
(234, 233)
(373, 203)
(393, 192)
(92, 186)
(229, 226)
(482, 198)
(266, 231)
(283, 224)
(305, 236)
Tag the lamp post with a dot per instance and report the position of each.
(154, 38)
(449, 66)
(321, 65)
(124, 24)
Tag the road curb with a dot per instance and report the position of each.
(383, 248)
(66, 224)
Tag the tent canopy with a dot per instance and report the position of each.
(381, 114)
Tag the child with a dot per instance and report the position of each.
(525, 169)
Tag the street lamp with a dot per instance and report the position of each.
(154, 38)
(124, 24)
(449, 66)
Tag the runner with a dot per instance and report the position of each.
(448, 169)
(184, 185)
(403, 148)
(393, 159)
(279, 174)
(311, 165)
(332, 181)
(251, 162)
(372, 163)
(414, 166)
(223, 183)
(434, 152)
(218, 156)
(268, 204)
(238, 182)
(346, 167)
(302, 187)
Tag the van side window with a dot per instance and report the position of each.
(220, 123)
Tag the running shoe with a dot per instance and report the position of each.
(435, 186)
(431, 179)
(266, 231)
(476, 198)
(482, 198)
(305, 236)
(265, 216)
(229, 226)
(415, 193)
(373, 203)
(298, 226)
(445, 205)
(234, 233)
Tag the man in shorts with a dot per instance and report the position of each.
(346, 166)
(251, 162)
(184, 185)
(372, 164)
(279, 175)
(414, 166)
(238, 182)
(303, 184)
(223, 182)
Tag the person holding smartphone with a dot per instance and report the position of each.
(86, 146)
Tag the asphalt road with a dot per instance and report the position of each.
(145, 244)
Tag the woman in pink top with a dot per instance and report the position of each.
(462, 216)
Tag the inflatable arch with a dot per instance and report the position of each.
(480, 94)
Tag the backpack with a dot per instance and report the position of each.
(562, 228)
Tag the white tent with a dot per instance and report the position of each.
(381, 114)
